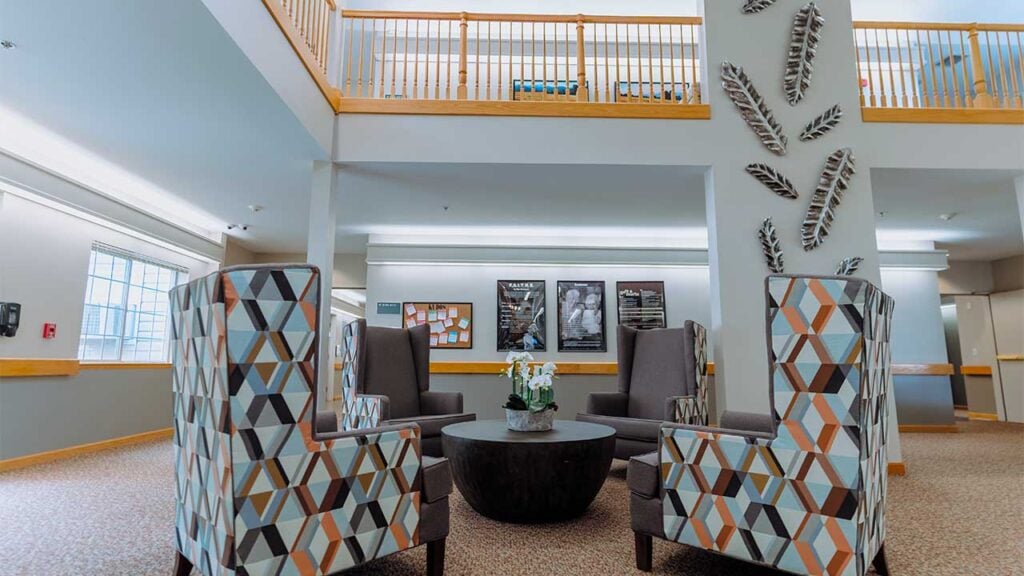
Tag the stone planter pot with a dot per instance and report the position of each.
(526, 421)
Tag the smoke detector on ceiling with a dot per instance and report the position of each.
(947, 217)
(7, 44)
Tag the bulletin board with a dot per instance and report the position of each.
(451, 324)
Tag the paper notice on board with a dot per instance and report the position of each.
(410, 323)
(421, 317)
(464, 337)
(448, 323)
(410, 309)
(453, 312)
(433, 339)
(437, 327)
(464, 323)
(442, 314)
(453, 337)
(432, 315)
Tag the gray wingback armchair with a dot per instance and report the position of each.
(393, 365)
(654, 387)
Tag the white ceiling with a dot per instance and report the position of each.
(159, 89)
(987, 224)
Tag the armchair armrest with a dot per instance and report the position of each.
(607, 403)
(687, 409)
(376, 430)
(440, 403)
(326, 422)
(643, 475)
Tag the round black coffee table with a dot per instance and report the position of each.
(529, 476)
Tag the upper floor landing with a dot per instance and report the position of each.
(582, 65)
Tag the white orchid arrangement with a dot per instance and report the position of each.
(531, 390)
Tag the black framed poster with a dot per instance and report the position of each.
(522, 318)
(641, 304)
(581, 326)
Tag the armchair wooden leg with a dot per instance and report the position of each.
(435, 557)
(644, 551)
(880, 564)
(182, 567)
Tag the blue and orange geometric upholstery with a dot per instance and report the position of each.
(809, 499)
(257, 491)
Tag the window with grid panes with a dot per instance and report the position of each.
(126, 307)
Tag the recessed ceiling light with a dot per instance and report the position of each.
(255, 208)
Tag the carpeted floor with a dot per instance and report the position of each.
(959, 511)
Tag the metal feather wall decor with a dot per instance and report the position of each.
(755, 6)
(773, 180)
(823, 124)
(771, 246)
(753, 108)
(834, 181)
(803, 47)
(848, 266)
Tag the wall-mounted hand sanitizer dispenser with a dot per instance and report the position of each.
(10, 315)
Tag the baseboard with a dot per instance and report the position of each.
(983, 416)
(960, 406)
(70, 451)
(897, 469)
(930, 428)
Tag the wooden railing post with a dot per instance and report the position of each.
(983, 99)
(463, 91)
(581, 62)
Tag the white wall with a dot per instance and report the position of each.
(686, 292)
(43, 267)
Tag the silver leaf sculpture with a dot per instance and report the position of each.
(834, 181)
(753, 108)
(803, 46)
(773, 180)
(771, 246)
(822, 124)
(755, 6)
(848, 266)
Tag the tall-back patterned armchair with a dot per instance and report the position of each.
(808, 497)
(654, 386)
(392, 366)
(258, 490)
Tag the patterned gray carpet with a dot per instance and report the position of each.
(959, 511)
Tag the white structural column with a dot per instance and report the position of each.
(1018, 183)
(320, 252)
(737, 203)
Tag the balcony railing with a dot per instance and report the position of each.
(522, 64)
(625, 66)
(936, 72)
(307, 25)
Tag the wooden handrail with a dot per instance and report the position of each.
(538, 18)
(952, 26)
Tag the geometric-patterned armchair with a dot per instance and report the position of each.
(391, 367)
(809, 497)
(656, 384)
(261, 486)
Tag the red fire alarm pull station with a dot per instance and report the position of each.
(49, 330)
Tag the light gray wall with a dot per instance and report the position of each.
(966, 277)
(686, 293)
(1008, 274)
(1008, 324)
(978, 348)
(42, 414)
(918, 337)
(44, 268)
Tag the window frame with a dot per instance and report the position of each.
(179, 273)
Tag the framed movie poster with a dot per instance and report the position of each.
(581, 326)
(641, 304)
(522, 318)
(451, 325)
